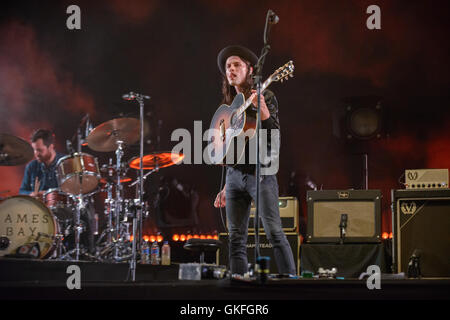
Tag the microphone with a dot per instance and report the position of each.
(343, 226)
(273, 18)
(343, 223)
(414, 264)
(417, 253)
(131, 96)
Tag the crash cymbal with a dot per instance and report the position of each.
(160, 159)
(105, 137)
(14, 151)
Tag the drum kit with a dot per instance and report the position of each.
(56, 216)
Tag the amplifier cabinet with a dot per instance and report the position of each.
(289, 211)
(265, 249)
(363, 209)
(421, 224)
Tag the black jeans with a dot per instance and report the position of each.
(240, 190)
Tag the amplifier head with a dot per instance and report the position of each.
(426, 178)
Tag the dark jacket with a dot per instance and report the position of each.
(272, 122)
(46, 175)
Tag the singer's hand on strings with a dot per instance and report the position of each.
(265, 114)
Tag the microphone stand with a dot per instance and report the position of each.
(137, 218)
(257, 79)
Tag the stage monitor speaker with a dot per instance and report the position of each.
(421, 224)
(325, 210)
(266, 249)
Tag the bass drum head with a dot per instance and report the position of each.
(22, 220)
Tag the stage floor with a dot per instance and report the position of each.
(47, 280)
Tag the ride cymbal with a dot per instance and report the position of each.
(106, 136)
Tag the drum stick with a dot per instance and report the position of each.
(36, 185)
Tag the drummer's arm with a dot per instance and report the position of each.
(26, 186)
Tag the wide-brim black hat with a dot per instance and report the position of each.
(235, 50)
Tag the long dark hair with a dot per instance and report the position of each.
(229, 92)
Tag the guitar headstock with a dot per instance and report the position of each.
(284, 72)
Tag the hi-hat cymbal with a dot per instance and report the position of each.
(156, 159)
(114, 180)
(106, 136)
(14, 151)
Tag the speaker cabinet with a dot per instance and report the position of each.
(265, 249)
(363, 209)
(421, 223)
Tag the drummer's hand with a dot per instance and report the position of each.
(38, 194)
(220, 199)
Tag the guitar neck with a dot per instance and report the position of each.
(248, 102)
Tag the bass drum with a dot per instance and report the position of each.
(23, 220)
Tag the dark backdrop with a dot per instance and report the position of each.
(51, 77)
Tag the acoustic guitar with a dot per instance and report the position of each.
(232, 126)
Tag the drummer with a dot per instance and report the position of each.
(40, 174)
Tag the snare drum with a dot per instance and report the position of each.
(78, 173)
(24, 219)
(59, 203)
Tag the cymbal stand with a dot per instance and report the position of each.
(118, 202)
(109, 208)
(78, 228)
(145, 177)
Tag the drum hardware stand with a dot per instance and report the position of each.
(79, 198)
(118, 202)
(58, 241)
(78, 229)
(137, 219)
(59, 245)
(145, 176)
(117, 231)
(109, 211)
